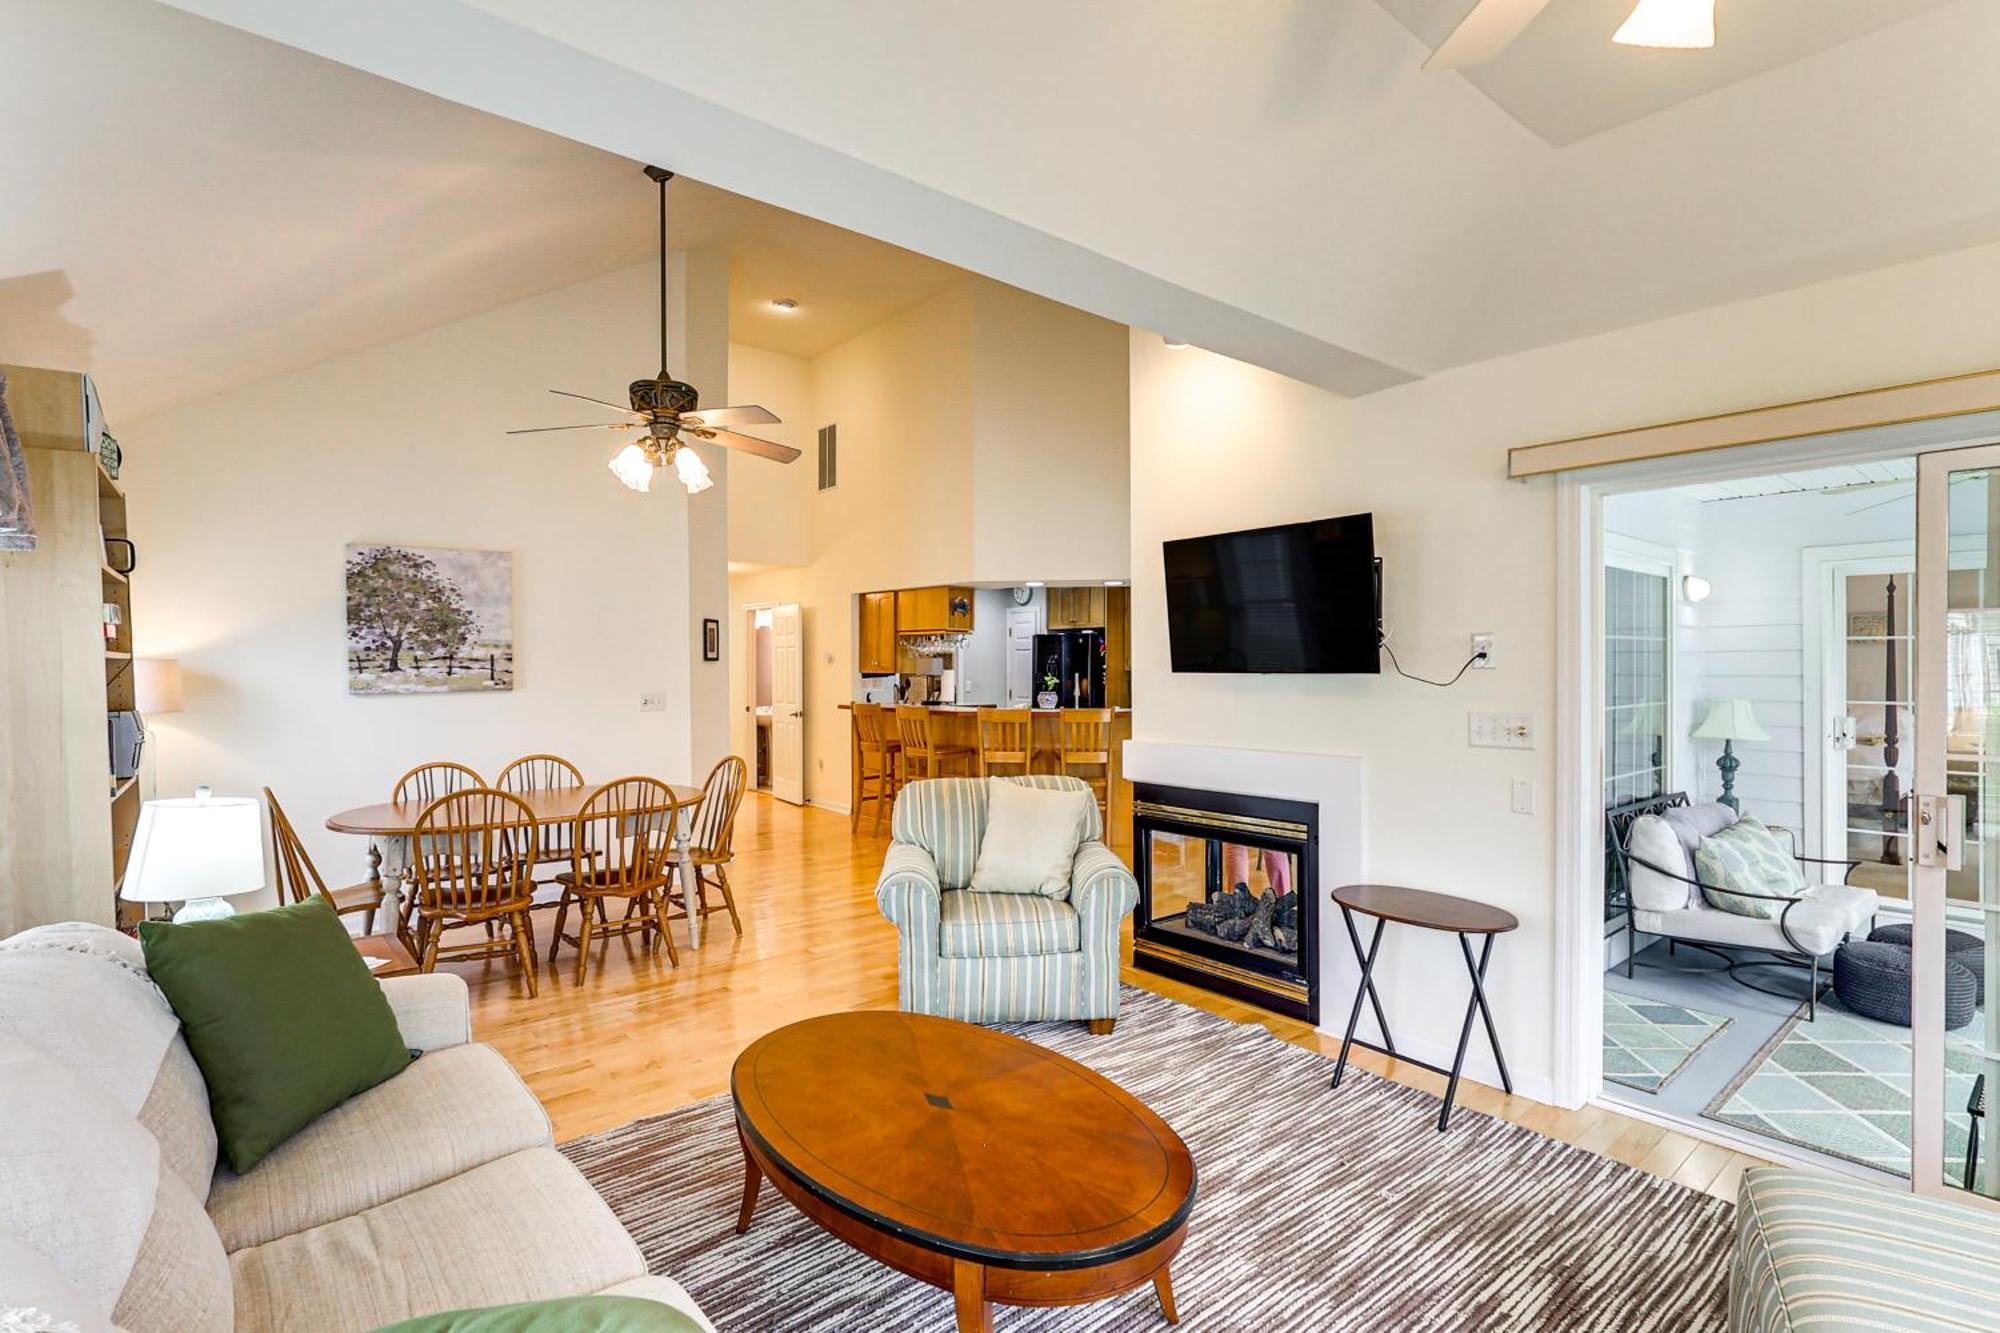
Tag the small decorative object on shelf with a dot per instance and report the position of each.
(114, 617)
(109, 456)
(121, 562)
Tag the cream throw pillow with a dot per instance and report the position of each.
(1032, 834)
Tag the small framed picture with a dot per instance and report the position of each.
(711, 640)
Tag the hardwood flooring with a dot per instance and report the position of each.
(640, 1036)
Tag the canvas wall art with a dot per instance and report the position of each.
(429, 620)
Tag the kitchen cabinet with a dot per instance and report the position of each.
(1078, 608)
(935, 610)
(878, 634)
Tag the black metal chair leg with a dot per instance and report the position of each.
(1486, 1009)
(1631, 945)
(1366, 991)
(1812, 992)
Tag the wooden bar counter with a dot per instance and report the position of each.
(958, 724)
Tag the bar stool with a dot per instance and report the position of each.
(877, 754)
(1083, 738)
(1006, 738)
(922, 757)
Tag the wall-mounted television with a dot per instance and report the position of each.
(1301, 597)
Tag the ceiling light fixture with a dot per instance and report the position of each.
(1174, 344)
(784, 305)
(669, 410)
(1680, 25)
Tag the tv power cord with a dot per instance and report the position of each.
(1470, 662)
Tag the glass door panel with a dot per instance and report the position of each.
(1637, 624)
(1955, 899)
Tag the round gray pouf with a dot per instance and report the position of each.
(1873, 980)
(1960, 947)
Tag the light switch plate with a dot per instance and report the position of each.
(1501, 731)
(653, 702)
(1521, 796)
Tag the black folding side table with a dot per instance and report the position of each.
(1426, 911)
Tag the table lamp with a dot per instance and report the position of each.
(1729, 721)
(156, 685)
(196, 851)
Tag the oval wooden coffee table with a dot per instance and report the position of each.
(980, 1163)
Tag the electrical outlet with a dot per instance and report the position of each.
(653, 702)
(1482, 652)
(1501, 731)
(1521, 796)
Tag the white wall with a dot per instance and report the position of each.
(242, 505)
(1468, 550)
(1051, 472)
(770, 504)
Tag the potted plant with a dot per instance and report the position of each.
(1050, 691)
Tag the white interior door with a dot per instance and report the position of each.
(1954, 835)
(788, 705)
(1022, 626)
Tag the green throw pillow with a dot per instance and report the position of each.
(577, 1314)
(1747, 857)
(281, 1014)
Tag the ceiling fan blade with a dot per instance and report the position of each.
(588, 425)
(726, 417)
(615, 407)
(750, 444)
(1485, 33)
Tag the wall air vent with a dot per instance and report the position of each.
(829, 457)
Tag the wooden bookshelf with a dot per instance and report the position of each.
(65, 824)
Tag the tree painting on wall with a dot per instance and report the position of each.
(424, 620)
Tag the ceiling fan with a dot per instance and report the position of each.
(669, 411)
(1493, 25)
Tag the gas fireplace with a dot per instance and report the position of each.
(1226, 894)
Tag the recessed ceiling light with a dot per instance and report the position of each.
(1174, 344)
(1114, 583)
(784, 305)
(1034, 583)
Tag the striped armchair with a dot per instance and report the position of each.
(999, 957)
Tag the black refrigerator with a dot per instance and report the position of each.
(1074, 660)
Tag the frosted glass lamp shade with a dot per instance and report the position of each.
(195, 848)
(156, 685)
(1681, 25)
(1730, 720)
(691, 470)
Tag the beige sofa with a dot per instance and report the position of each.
(440, 1189)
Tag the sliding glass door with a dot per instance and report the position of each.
(1953, 847)
(1638, 654)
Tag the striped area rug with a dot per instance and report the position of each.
(1317, 1210)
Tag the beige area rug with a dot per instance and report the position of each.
(1317, 1210)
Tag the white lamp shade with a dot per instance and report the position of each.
(1684, 25)
(1730, 720)
(156, 685)
(198, 847)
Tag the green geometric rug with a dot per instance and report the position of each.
(1646, 1042)
(1841, 1085)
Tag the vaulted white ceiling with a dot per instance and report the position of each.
(1280, 180)
(184, 206)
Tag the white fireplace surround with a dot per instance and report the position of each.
(1336, 783)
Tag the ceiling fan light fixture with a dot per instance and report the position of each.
(632, 467)
(691, 470)
(1680, 25)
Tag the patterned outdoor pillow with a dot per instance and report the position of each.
(1747, 858)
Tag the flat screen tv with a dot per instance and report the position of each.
(1303, 597)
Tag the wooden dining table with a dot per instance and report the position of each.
(550, 806)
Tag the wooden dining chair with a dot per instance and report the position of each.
(1083, 740)
(299, 879)
(472, 861)
(427, 782)
(709, 842)
(541, 772)
(923, 757)
(1006, 739)
(621, 846)
(880, 756)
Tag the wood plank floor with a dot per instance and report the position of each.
(640, 1036)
